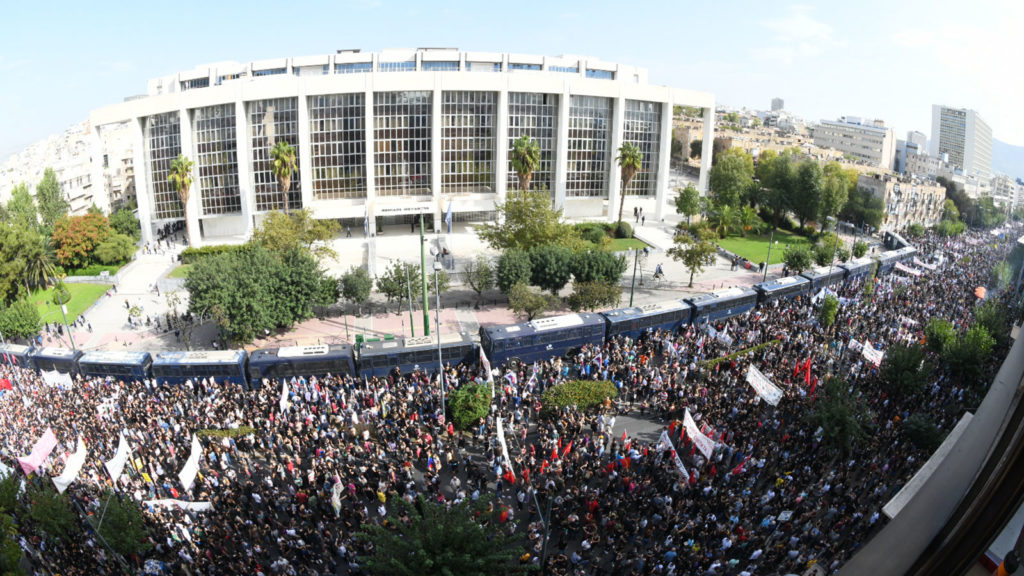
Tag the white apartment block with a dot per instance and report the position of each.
(907, 200)
(964, 138)
(385, 137)
(872, 144)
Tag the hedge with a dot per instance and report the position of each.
(192, 255)
(94, 270)
(229, 433)
(583, 394)
(715, 361)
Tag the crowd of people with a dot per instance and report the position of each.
(771, 498)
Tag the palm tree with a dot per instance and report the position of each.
(525, 159)
(38, 263)
(284, 165)
(724, 220)
(750, 221)
(630, 161)
(181, 178)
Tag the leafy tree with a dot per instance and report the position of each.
(431, 539)
(514, 267)
(724, 219)
(1000, 277)
(797, 258)
(356, 285)
(842, 253)
(550, 267)
(527, 220)
(469, 403)
(630, 161)
(915, 230)
(696, 148)
(594, 295)
(22, 207)
(834, 192)
(860, 248)
(968, 355)
(694, 251)
(988, 215)
(922, 432)
(117, 248)
(281, 232)
(125, 222)
(731, 177)
(950, 228)
(950, 211)
(524, 301)
(525, 159)
(822, 253)
(51, 512)
(20, 320)
(479, 275)
(904, 369)
(10, 551)
(806, 201)
(862, 207)
(993, 316)
(180, 178)
(35, 251)
(52, 205)
(777, 175)
(749, 221)
(597, 265)
(844, 418)
(76, 237)
(123, 526)
(955, 192)
(283, 157)
(827, 313)
(396, 281)
(687, 201)
(938, 334)
(10, 484)
(330, 290)
(12, 264)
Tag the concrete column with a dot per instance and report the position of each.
(143, 193)
(185, 125)
(244, 153)
(501, 146)
(305, 153)
(663, 194)
(371, 189)
(562, 148)
(706, 148)
(614, 185)
(436, 127)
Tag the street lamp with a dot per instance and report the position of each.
(768, 262)
(437, 332)
(835, 247)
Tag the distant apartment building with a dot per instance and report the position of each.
(907, 200)
(778, 104)
(1006, 191)
(915, 144)
(871, 143)
(961, 134)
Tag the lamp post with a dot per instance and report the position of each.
(835, 247)
(636, 254)
(768, 262)
(423, 278)
(437, 333)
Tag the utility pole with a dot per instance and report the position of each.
(423, 278)
(768, 262)
(408, 289)
(636, 254)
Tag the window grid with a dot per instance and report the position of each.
(397, 66)
(270, 72)
(600, 74)
(642, 128)
(535, 115)
(195, 83)
(401, 136)
(163, 145)
(337, 136)
(467, 141)
(440, 66)
(513, 66)
(353, 68)
(270, 122)
(566, 69)
(216, 153)
(589, 117)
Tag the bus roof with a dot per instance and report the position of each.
(115, 357)
(413, 343)
(544, 325)
(20, 349)
(200, 357)
(652, 308)
(56, 352)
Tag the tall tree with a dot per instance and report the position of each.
(695, 252)
(524, 301)
(479, 275)
(52, 204)
(123, 526)
(75, 238)
(844, 418)
(38, 260)
(22, 207)
(806, 202)
(527, 220)
(731, 177)
(395, 282)
(181, 178)
(834, 193)
(514, 267)
(630, 161)
(904, 369)
(525, 159)
(594, 295)
(283, 157)
(356, 285)
(798, 258)
(687, 201)
(280, 232)
(776, 174)
(598, 266)
(550, 267)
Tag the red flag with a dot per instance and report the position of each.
(739, 469)
(693, 479)
(554, 454)
(625, 462)
(526, 475)
(626, 447)
(5, 384)
(568, 447)
(714, 470)
(623, 436)
(543, 466)
(799, 366)
(814, 385)
(509, 477)
(807, 377)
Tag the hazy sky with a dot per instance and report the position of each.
(872, 58)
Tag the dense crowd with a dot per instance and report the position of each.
(770, 499)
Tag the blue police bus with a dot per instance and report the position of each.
(633, 322)
(62, 360)
(722, 304)
(543, 338)
(16, 355)
(121, 365)
(378, 358)
(824, 276)
(859, 267)
(300, 361)
(782, 288)
(220, 365)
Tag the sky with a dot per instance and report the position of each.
(873, 58)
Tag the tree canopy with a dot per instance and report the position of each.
(687, 201)
(51, 202)
(694, 251)
(526, 220)
(731, 177)
(281, 232)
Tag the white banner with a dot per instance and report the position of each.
(188, 473)
(56, 379)
(169, 502)
(283, 404)
(763, 386)
(724, 339)
(486, 366)
(903, 268)
(924, 264)
(666, 443)
(71, 469)
(504, 446)
(704, 444)
(855, 346)
(872, 355)
(116, 465)
(336, 497)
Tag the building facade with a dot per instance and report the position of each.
(907, 200)
(1006, 191)
(869, 143)
(778, 104)
(385, 137)
(961, 137)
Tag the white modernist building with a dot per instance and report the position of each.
(960, 135)
(384, 137)
(873, 144)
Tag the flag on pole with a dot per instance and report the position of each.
(71, 468)
(485, 365)
(448, 217)
(40, 452)
(116, 465)
(188, 473)
(283, 404)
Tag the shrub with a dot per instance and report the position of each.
(915, 231)
(715, 361)
(860, 249)
(116, 249)
(93, 270)
(192, 255)
(229, 433)
(624, 230)
(469, 404)
(514, 267)
(583, 394)
(593, 235)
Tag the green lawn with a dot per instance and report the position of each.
(180, 271)
(755, 248)
(622, 244)
(82, 296)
